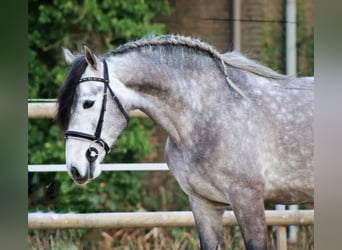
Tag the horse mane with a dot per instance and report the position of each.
(165, 40)
(67, 92)
(237, 60)
(233, 59)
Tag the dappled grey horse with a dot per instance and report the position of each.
(239, 134)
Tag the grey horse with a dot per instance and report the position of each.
(239, 134)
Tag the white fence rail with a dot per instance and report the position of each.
(104, 167)
(144, 219)
(153, 219)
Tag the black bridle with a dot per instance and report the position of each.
(92, 152)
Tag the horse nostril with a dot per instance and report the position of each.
(77, 177)
(75, 173)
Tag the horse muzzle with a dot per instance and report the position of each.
(92, 170)
(91, 155)
(83, 161)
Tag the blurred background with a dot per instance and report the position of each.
(255, 28)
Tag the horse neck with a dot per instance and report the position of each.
(174, 92)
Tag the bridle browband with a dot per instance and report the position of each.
(92, 152)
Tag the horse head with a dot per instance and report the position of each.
(90, 113)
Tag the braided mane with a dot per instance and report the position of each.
(233, 59)
(177, 40)
(169, 40)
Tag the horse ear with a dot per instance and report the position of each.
(90, 57)
(69, 57)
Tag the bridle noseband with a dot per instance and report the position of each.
(92, 152)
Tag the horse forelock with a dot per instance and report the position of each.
(67, 92)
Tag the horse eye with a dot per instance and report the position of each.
(87, 104)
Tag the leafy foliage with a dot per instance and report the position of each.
(58, 23)
(274, 55)
(305, 41)
(102, 26)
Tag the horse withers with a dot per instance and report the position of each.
(239, 134)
